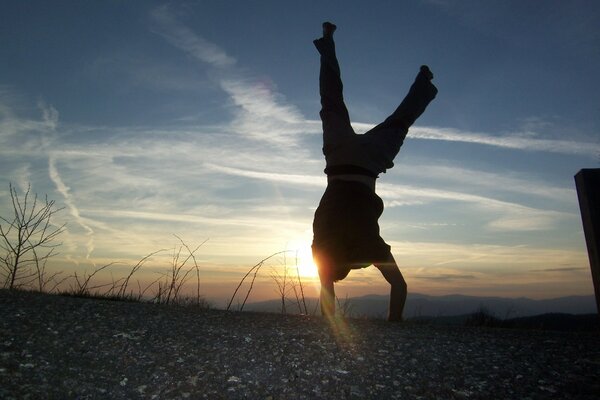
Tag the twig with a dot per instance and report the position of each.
(257, 266)
(195, 265)
(136, 267)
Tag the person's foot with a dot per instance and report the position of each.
(328, 29)
(327, 40)
(426, 72)
(423, 81)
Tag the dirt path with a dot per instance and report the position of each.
(59, 347)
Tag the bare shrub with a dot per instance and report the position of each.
(171, 283)
(284, 281)
(122, 292)
(27, 241)
(254, 269)
(167, 287)
(482, 317)
(82, 287)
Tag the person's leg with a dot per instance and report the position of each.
(390, 134)
(398, 291)
(327, 295)
(421, 93)
(334, 113)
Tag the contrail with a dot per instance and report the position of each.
(64, 191)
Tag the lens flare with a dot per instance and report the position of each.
(302, 253)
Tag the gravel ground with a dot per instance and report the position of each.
(60, 348)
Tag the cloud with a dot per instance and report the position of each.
(503, 215)
(185, 39)
(68, 199)
(253, 222)
(445, 277)
(50, 115)
(260, 113)
(291, 179)
(525, 219)
(515, 141)
(427, 258)
(525, 141)
(24, 135)
(261, 116)
(489, 181)
(570, 269)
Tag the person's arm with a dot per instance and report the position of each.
(327, 299)
(398, 290)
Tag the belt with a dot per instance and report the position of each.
(364, 179)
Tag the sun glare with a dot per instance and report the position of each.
(302, 253)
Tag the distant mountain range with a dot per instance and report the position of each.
(420, 306)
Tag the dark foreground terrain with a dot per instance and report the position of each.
(60, 348)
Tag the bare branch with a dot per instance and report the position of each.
(135, 268)
(195, 265)
(257, 266)
(23, 239)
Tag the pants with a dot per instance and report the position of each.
(376, 149)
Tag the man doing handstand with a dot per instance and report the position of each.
(345, 227)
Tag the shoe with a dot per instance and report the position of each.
(423, 84)
(328, 29)
(426, 72)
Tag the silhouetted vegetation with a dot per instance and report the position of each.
(550, 321)
(482, 317)
(556, 322)
(166, 289)
(286, 282)
(27, 241)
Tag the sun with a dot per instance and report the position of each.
(301, 251)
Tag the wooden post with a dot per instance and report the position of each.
(588, 191)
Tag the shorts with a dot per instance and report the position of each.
(346, 229)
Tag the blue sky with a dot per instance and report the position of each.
(200, 119)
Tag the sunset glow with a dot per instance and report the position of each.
(146, 120)
(302, 253)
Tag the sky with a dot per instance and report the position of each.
(153, 120)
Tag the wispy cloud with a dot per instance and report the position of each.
(428, 257)
(290, 179)
(49, 115)
(526, 141)
(19, 134)
(489, 181)
(515, 141)
(185, 39)
(261, 116)
(68, 199)
(253, 222)
(505, 216)
(445, 277)
(570, 269)
(260, 113)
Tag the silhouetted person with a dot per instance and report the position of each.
(346, 229)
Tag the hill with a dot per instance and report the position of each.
(420, 305)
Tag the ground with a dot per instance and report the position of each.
(61, 347)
